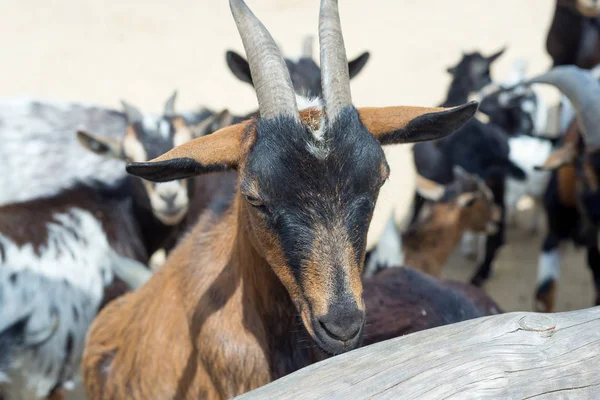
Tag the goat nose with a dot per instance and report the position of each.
(169, 198)
(344, 325)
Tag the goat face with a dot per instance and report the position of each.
(308, 180)
(479, 212)
(467, 201)
(514, 109)
(473, 70)
(304, 73)
(147, 138)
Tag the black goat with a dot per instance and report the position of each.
(305, 73)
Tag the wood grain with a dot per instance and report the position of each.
(509, 356)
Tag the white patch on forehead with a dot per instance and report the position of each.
(319, 147)
(164, 128)
(305, 103)
(134, 149)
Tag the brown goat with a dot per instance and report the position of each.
(279, 264)
(465, 204)
(403, 300)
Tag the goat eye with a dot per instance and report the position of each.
(254, 201)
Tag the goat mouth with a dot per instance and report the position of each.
(171, 216)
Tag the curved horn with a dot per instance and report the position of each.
(170, 105)
(335, 78)
(270, 75)
(583, 90)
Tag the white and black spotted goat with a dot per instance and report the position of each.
(519, 110)
(60, 248)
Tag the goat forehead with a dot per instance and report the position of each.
(156, 135)
(283, 164)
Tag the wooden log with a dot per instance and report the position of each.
(509, 356)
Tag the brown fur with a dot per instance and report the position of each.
(382, 120)
(566, 176)
(221, 147)
(428, 243)
(209, 308)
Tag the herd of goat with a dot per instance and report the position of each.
(233, 250)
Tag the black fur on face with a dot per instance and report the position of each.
(472, 73)
(300, 189)
(512, 110)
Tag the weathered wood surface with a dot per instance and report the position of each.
(508, 356)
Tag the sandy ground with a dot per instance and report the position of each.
(102, 51)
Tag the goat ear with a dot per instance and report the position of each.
(212, 124)
(495, 56)
(356, 65)
(132, 114)
(169, 110)
(239, 66)
(429, 189)
(563, 156)
(216, 152)
(451, 70)
(392, 125)
(101, 146)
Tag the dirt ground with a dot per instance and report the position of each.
(141, 50)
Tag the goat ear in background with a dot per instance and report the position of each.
(561, 157)
(495, 56)
(239, 66)
(393, 125)
(132, 114)
(216, 152)
(429, 189)
(212, 124)
(169, 110)
(356, 65)
(101, 146)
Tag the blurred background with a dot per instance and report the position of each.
(102, 51)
